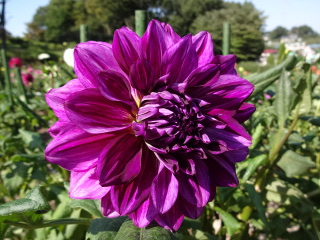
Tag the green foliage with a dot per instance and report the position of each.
(279, 32)
(36, 28)
(59, 21)
(246, 23)
(304, 31)
(185, 12)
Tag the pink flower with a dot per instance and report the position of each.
(15, 62)
(152, 124)
(27, 79)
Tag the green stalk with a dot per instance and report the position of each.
(263, 173)
(7, 75)
(226, 39)
(140, 21)
(17, 74)
(52, 223)
(83, 33)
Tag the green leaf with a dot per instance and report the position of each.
(32, 139)
(281, 53)
(257, 202)
(34, 203)
(295, 139)
(303, 91)
(89, 205)
(129, 231)
(294, 164)
(18, 175)
(262, 80)
(283, 98)
(39, 157)
(253, 164)
(313, 120)
(3, 229)
(104, 228)
(229, 221)
(256, 136)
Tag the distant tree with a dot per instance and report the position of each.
(60, 21)
(182, 13)
(246, 28)
(37, 28)
(62, 18)
(110, 14)
(278, 32)
(304, 31)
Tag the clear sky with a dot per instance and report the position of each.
(287, 13)
(19, 13)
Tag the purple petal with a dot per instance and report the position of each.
(203, 76)
(245, 112)
(107, 208)
(90, 59)
(58, 126)
(204, 47)
(92, 112)
(170, 220)
(235, 156)
(213, 191)
(187, 209)
(226, 63)
(175, 37)
(85, 185)
(170, 162)
(126, 48)
(126, 198)
(164, 190)
(142, 76)
(222, 171)
(232, 140)
(179, 60)
(195, 188)
(56, 97)
(120, 160)
(115, 86)
(234, 126)
(144, 215)
(155, 42)
(75, 149)
(228, 93)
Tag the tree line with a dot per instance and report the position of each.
(301, 31)
(59, 21)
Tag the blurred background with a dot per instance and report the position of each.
(257, 27)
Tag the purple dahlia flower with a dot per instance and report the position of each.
(152, 124)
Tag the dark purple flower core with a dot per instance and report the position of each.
(171, 124)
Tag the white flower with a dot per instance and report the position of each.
(43, 56)
(68, 57)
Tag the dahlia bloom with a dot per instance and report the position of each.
(152, 124)
(15, 61)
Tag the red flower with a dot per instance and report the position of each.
(15, 62)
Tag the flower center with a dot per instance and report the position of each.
(169, 121)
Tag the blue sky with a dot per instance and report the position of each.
(287, 13)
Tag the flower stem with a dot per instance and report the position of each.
(51, 223)
(17, 74)
(7, 75)
(262, 175)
